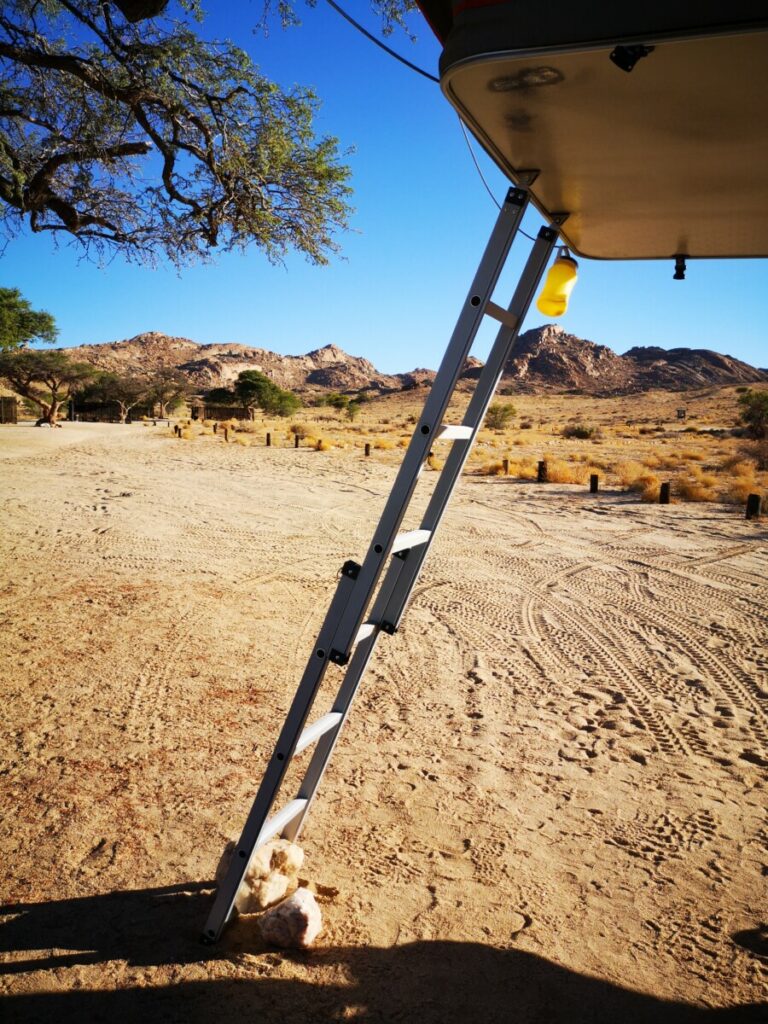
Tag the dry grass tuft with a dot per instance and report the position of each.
(696, 485)
(435, 464)
(323, 446)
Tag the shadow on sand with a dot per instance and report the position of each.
(442, 982)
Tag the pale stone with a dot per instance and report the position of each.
(271, 874)
(293, 924)
(257, 894)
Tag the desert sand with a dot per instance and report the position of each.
(548, 804)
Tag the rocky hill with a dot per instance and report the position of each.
(545, 358)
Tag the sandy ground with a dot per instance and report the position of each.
(548, 804)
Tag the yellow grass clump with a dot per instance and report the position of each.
(696, 485)
(323, 446)
(435, 464)
(384, 444)
(638, 478)
(244, 442)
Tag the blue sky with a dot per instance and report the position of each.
(422, 219)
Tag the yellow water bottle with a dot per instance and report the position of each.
(561, 277)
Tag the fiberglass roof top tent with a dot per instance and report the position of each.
(647, 122)
(636, 133)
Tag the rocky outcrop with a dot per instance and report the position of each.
(544, 359)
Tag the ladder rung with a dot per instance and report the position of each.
(411, 539)
(276, 824)
(366, 630)
(317, 729)
(454, 432)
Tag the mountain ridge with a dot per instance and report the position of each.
(544, 358)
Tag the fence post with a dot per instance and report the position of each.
(226, 434)
(295, 440)
(367, 450)
(541, 475)
(753, 506)
(269, 440)
(505, 466)
(593, 483)
(664, 493)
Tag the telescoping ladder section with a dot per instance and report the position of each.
(355, 620)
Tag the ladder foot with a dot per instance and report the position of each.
(207, 940)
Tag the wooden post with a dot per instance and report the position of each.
(215, 428)
(295, 440)
(541, 475)
(226, 434)
(664, 493)
(367, 450)
(505, 466)
(593, 483)
(269, 440)
(753, 506)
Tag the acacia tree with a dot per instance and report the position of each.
(753, 413)
(20, 324)
(167, 388)
(254, 390)
(122, 129)
(48, 379)
(125, 391)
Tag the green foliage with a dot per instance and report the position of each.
(353, 411)
(20, 324)
(753, 413)
(126, 391)
(123, 130)
(499, 415)
(254, 391)
(47, 379)
(221, 396)
(167, 389)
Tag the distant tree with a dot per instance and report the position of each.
(753, 406)
(47, 379)
(19, 323)
(353, 410)
(167, 388)
(499, 414)
(125, 391)
(123, 130)
(255, 390)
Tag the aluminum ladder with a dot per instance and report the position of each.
(355, 618)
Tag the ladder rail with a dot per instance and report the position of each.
(469, 321)
(475, 414)
(277, 767)
(402, 574)
(343, 634)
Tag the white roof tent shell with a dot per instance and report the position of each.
(668, 158)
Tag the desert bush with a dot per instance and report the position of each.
(323, 446)
(384, 444)
(691, 456)
(242, 440)
(299, 430)
(526, 425)
(435, 464)
(753, 413)
(499, 415)
(579, 431)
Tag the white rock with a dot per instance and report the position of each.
(293, 924)
(270, 875)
